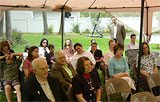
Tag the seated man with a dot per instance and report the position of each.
(10, 78)
(62, 70)
(40, 86)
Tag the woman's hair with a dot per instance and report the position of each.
(42, 41)
(4, 43)
(26, 48)
(80, 65)
(77, 44)
(66, 43)
(117, 47)
(50, 45)
(145, 43)
(110, 41)
(31, 49)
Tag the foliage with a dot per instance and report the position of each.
(50, 29)
(17, 38)
(76, 27)
(87, 31)
(94, 14)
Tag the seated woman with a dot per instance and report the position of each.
(11, 71)
(147, 65)
(148, 61)
(118, 66)
(27, 64)
(68, 49)
(43, 47)
(5, 48)
(86, 84)
(50, 56)
(108, 55)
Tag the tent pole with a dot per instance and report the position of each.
(62, 24)
(140, 42)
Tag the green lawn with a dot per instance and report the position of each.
(34, 39)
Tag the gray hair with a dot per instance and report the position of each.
(38, 62)
(56, 54)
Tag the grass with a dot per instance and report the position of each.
(34, 39)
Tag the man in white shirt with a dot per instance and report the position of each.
(132, 44)
(117, 31)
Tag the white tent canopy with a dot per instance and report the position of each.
(87, 6)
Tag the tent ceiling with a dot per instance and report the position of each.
(79, 5)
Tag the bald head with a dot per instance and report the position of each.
(39, 62)
(40, 67)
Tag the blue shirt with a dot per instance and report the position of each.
(118, 66)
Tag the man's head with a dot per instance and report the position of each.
(40, 67)
(133, 38)
(114, 21)
(60, 57)
(94, 46)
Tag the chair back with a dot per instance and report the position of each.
(131, 55)
(143, 97)
(154, 80)
(117, 86)
(117, 89)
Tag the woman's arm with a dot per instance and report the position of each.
(80, 98)
(155, 69)
(98, 95)
(119, 75)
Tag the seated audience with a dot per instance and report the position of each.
(25, 53)
(41, 87)
(10, 78)
(43, 47)
(110, 53)
(5, 48)
(148, 61)
(27, 64)
(118, 67)
(132, 44)
(93, 41)
(80, 52)
(62, 70)
(68, 49)
(86, 86)
(50, 56)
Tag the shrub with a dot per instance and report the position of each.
(76, 28)
(17, 38)
(50, 29)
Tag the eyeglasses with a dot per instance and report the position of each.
(44, 42)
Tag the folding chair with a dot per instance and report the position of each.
(154, 84)
(143, 97)
(117, 89)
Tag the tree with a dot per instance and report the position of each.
(1, 24)
(45, 24)
(8, 26)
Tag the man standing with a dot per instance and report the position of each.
(117, 31)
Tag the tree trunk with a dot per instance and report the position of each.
(1, 25)
(45, 24)
(8, 26)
